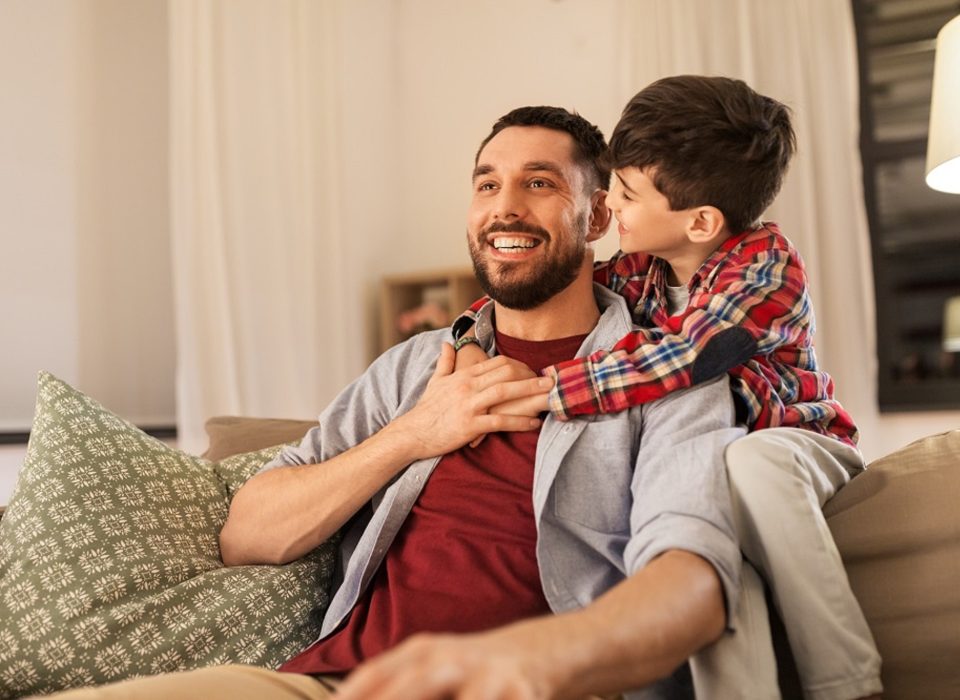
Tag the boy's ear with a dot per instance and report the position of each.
(706, 224)
(600, 216)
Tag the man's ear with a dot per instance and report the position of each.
(600, 215)
(706, 224)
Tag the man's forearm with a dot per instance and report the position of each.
(281, 514)
(636, 633)
(639, 631)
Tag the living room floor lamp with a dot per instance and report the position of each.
(943, 141)
(943, 145)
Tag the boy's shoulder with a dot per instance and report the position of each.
(766, 237)
(740, 255)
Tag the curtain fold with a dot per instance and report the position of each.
(258, 246)
(803, 53)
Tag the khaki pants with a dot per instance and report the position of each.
(780, 478)
(222, 683)
(226, 682)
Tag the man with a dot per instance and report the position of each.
(553, 560)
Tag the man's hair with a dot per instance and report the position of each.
(589, 144)
(710, 141)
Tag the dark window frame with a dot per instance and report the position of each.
(911, 374)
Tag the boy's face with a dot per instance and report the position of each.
(646, 223)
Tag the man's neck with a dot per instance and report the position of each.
(571, 312)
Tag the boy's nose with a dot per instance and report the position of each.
(611, 200)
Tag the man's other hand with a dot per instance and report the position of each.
(437, 667)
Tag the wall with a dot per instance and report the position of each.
(85, 278)
(38, 201)
(124, 277)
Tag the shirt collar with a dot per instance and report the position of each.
(613, 324)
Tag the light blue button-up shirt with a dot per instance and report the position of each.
(610, 492)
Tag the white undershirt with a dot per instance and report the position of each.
(677, 299)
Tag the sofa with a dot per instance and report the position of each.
(897, 527)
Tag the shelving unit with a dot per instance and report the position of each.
(451, 291)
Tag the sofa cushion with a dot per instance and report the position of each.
(898, 530)
(110, 564)
(230, 435)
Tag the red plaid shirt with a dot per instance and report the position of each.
(749, 315)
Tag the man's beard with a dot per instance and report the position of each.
(549, 277)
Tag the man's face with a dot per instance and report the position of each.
(528, 220)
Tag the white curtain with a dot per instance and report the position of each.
(259, 269)
(803, 53)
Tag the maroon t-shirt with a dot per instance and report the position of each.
(465, 558)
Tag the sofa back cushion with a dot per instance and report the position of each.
(897, 526)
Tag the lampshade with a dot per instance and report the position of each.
(951, 325)
(943, 146)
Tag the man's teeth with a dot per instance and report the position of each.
(513, 243)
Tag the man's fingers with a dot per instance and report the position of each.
(506, 365)
(531, 406)
(507, 424)
(501, 392)
(477, 440)
(446, 361)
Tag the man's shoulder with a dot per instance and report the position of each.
(420, 349)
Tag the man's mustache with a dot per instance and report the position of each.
(516, 227)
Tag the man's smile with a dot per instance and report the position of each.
(511, 244)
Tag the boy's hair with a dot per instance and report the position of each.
(710, 141)
(589, 144)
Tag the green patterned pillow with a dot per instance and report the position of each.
(110, 564)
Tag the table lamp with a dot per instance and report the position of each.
(943, 145)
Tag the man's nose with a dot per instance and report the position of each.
(510, 204)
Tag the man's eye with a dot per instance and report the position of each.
(486, 186)
(536, 184)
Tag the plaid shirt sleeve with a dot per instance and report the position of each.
(757, 303)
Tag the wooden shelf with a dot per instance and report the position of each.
(451, 290)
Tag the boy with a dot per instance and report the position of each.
(696, 161)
